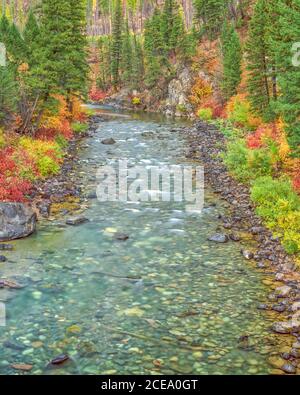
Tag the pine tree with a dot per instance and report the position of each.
(137, 63)
(31, 36)
(104, 77)
(155, 49)
(232, 58)
(4, 29)
(8, 93)
(209, 15)
(260, 60)
(288, 69)
(15, 46)
(75, 47)
(167, 22)
(116, 45)
(126, 56)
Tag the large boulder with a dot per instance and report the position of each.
(16, 221)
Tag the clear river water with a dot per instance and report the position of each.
(164, 301)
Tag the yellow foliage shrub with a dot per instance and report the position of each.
(289, 226)
(200, 91)
(2, 139)
(47, 155)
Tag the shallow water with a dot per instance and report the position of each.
(164, 301)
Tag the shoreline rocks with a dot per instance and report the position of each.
(206, 145)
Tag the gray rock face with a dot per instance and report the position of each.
(177, 102)
(16, 221)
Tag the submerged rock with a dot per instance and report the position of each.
(247, 254)
(286, 327)
(22, 366)
(289, 368)
(3, 258)
(16, 221)
(109, 141)
(218, 238)
(121, 236)
(6, 247)
(60, 359)
(74, 221)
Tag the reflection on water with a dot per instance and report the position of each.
(166, 300)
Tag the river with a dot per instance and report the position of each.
(164, 301)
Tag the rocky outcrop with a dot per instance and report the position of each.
(16, 221)
(179, 89)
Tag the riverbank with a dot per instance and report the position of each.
(61, 189)
(207, 143)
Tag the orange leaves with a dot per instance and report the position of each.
(59, 123)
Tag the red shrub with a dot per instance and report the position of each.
(262, 134)
(216, 108)
(13, 189)
(97, 95)
(296, 183)
(51, 133)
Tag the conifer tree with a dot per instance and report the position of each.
(116, 46)
(31, 36)
(4, 29)
(209, 15)
(15, 46)
(288, 28)
(8, 93)
(126, 55)
(75, 46)
(167, 22)
(155, 49)
(104, 77)
(137, 63)
(260, 59)
(232, 58)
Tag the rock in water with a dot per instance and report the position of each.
(16, 221)
(76, 221)
(289, 368)
(109, 141)
(6, 247)
(121, 236)
(3, 258)
(286, 327)
(219, 238)
(22, 366)
(247, 254)
(60, 359)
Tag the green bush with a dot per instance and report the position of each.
(274, 199)
(206, 114)
(245, 164)
(79, 127)
(61, 141)
(47, 166)
(278, 204)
